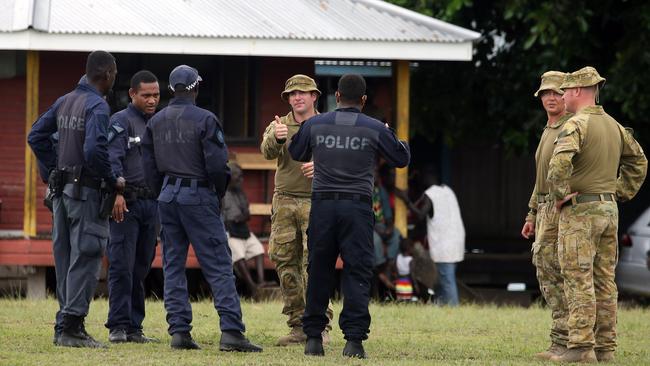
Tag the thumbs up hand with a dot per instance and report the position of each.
(281, 130)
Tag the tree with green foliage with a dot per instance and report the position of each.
(491, 98)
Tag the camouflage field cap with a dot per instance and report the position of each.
(551, 80)
(587, 76)
(299, 82)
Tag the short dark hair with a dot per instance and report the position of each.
(142, 76)
(351, 87)
(97, 63)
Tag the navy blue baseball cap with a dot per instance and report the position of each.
(185, 75)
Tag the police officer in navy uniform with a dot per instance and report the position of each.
(135, 214)
(79, 234)
(185, 159)
(345, 145)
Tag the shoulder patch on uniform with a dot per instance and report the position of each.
(114, 130)
(218, 137)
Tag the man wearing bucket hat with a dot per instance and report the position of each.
(184, 157)
(595, 163)
(542, 220)
(291, 204)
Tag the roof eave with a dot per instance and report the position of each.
(377, 50)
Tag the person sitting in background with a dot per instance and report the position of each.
(243, 244)
(405, 285)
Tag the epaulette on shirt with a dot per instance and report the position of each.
(113, 131)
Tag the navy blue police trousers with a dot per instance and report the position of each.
(342, 227)
(131, 250)
(192, 214)
(79, 238)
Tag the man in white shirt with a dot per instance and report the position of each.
(445, 234)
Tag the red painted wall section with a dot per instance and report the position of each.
(12, 152)
(274, 72)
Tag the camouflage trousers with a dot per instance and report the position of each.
(288, 251)
(588, 254)
(545, 259)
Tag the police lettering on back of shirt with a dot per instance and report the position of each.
(331, 137)
(196, 138)
(80, 119)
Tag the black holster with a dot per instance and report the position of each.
(108, 195)
(55, 184)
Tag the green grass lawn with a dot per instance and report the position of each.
(400, 334)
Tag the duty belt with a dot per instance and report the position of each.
(341, 196)
(85, 181)
(137, 192)
(187, 182)
(584, 198)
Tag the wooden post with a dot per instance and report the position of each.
(31, 114)
(403, 97)
(36, 288)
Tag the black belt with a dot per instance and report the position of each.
(85, 181)
(584, 198)
(341, 196)
(187, 182)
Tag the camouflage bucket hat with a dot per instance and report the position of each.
(587, 76)
(299, 82)
(551, 80)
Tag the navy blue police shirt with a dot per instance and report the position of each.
(345, 144)
(185, 141)
(124, 139)
(81, 119)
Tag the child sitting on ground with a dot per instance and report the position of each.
(405, 285)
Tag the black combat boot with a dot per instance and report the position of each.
(57, 337)
(354, 349)
(314, 347)
(74, 334)
(117, 335)
(183, 340)
(137, 336)
(235, 341)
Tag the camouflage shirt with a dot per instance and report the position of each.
(594, 154)
(288, 177)
(542, 158)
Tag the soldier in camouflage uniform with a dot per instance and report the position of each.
(542, 219)
(291, 204)
(595, 163)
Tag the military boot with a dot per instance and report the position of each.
(354, 349)
(554, 349)
(234, 341)
(117, 335)
(183, 340)
(605, 356)
(56, 338)
(74, 334)
(314, 347)
(138, 336)
(582, 355)
(296, 336)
